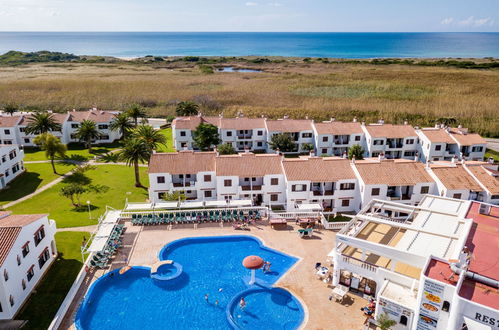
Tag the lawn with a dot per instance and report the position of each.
(492, 153)
(118, 178)
(76, 151)
(167, 132)
(36, 176)
(51, 291)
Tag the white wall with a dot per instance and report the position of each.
(7, 165)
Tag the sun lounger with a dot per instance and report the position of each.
(306, 232)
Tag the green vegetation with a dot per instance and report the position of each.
(206, 136)
(18, 58)
(42, 122)
(226, 149)
(76, 151)
(36, 176)
(42, 306)
(61, 210)
(52, 146)
(356, 151)
(152, 138)
(206, 69)
(133, 153)
(86, 132)
(337, 218)
(489, 153)
(187, 108)
(283, 142)
(122, 124)
(168, 146)
(136, 111)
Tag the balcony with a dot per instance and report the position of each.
(184, 184)
(251, 188)
(342, 140)
(244, 136)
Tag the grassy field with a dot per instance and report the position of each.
(492, 153)
(36, 176)
(167, 132)
(42, 306)
(118, 178)
(75, 151)
(395, 92)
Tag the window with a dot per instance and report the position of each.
(274, 181)
(324, 139)
(42, 259)
(7, 173)
(403, 320)
(425, 189)
(183, 145)
(260, 144)
(227, 183)
(207, 193)
(409, 141)
(1, 309)
(324, 151)
(22, 129)
(74, 125)
(161, 195)
(4, 158)
(160, 179)
(182, 133)
(477, 149)
(5, 275)
(12, 155)
(7, 141)
(347, 186)
(375, 192)
(23, 284)
(446, 306)
(260, 133)
(409, 153)
(26, 140)
(18, 260)
(274, 198)
(30, 273)
(299, 187)
(457, 196)
(246, 179)
(11, 300)
(229, 133)
(438, 147)
(25, 250)
(104, 137)
(345, 202)
(306, 135)
(39, 235)
(73, 137)
(207, 178)
(6, 131)
(357, 138)
(378, 142)
(103, 126)
(494, 197)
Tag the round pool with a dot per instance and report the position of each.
(167, 272)
(266, 308)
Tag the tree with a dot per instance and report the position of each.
(283, 142)
(205, 136)
(226, 149)
(151, 137)
(357, 151)
(121, 123)
(133, 152)
(87, 132)
(10, 108)
(53, 147)
(42, 122)
(385, 322)
(73, 191)
(187, 108)
(307, 146)
(135, 111)
(174, 196)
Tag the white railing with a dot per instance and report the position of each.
(359, 263)
(334, 225)
(293, 215)
(128, 214)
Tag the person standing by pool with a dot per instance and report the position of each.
(242, 303)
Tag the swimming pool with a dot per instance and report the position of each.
(212, 266)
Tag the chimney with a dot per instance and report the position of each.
(200, 114)
(442, 126)
(381, 121)
(405, 122)
(246, 150)
(312, 153)
(363, 123)
(94, 109)
(437, 126)
(354, 120)
(353, 159)
(332, 119)
(216, 151)
(459, 126)
(74, 110)
(427, 165)
(344, 154)
(277, 151)
(490, 160)
(381, 156)
(285, 117)
(416, 157)
(306, 117)
(454, 159)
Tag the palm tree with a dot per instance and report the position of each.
(121, 123)
(42, 122)
(87, 132)
(133, 152)
(151, 137)
(135, 111)
(10, 108)
(53, 147)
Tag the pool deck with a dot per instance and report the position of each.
(142, 245)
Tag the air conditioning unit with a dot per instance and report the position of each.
(484, 209)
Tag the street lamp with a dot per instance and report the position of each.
(89, 214)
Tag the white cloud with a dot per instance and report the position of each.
(447, 21)
(275, 4)
(476, 22)
(251, 4)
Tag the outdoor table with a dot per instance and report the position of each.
(338, 293)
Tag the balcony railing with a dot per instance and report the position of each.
(244, 136)
(356, 262)
(248, 188)
(184, 184)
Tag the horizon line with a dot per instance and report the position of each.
(124, 31)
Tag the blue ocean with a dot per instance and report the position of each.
(333, 45)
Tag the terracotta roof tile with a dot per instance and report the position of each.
(393, 173)
(20, 220)
(193, 122)
(182, 162)
(318, 169)
(438, 135)
(486, 177)
(338, 128)
(289, 125)
(9, 121)
(466, 139)
(390, 131)
(456, 177)
(98, 116)
(248, 165)
(8, 236)
(242, 123)
(60, 118)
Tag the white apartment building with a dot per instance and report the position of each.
(487, 176)
(27, 249)
(392, 141)
(183, 128)
(244, 133)
(393, 180)
(11, 163)
(327, 181)
(300, 130)
(12, 128)
(436, 144)
(334, 138)
(471, 146)
(431, 266)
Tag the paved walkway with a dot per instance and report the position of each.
(89, 229)
(493, 144)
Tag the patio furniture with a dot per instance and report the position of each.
(278, 223)
(339, 293)
(309, 232)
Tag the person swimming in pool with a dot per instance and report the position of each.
(242, 303)
(206, 297)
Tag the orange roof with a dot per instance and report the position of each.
(391, 173)
(193, 122)
(466, 139)
(8, 236)
(182, 162)
(9, 121)
(437, 135)
(289, 125)
(318, 169)
(338, 128)
(248, 165)
(20, 220)
(242, 123)
(485, 177)
(390, 131)
(456, 177)
(60, 118)
(97, 116)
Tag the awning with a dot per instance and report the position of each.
(310, 207)
(191, 205)
(475, 325)
(215, 203)
(139, 206)
(240, 202)
(104, 231)
(112, 217)
(98, 244)
(166, 205)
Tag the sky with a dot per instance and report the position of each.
(251, 15)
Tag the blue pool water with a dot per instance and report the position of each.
(211, 265)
